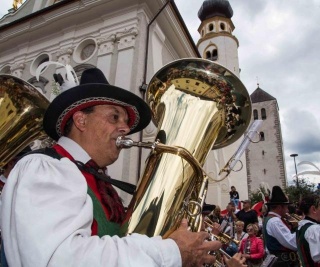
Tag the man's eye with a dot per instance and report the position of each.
(113, 118)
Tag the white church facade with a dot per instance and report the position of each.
(129, 40)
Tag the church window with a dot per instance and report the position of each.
(264, 171)
(222, 26)
(211, 27)
(214, 54)
(261, 136)
(208, 55)
(37, 62)
(263, 113)
(255, 114)
(85, 50)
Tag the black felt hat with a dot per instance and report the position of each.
(277, 197)
(94, 89)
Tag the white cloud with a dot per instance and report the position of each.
(279, 48)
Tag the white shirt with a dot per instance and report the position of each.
(312, 235)
(3, 178)
(46, 219)
(277, 229)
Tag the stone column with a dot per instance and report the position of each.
(105, 52)
(126, 44)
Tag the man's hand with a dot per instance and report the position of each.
(236, 261)
(194, 247)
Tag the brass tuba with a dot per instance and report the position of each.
(21, 107)
(197, 105)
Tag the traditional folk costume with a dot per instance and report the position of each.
(55, 215)
(3, 180)
(308, 238)
(279, 239)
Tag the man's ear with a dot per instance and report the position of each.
(79, 120)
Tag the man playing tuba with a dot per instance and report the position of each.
(55, 214)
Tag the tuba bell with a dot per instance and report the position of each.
(21, 107)
(197, 105)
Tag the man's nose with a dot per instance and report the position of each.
(124, 128)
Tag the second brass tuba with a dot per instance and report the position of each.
(197, 105)
(21, 107)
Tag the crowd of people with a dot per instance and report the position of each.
(293, 243)
(57, 211)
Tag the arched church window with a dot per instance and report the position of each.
(214, 54)
(208, 55)
(263, 114)
(255, 114)
(222, 26)
(211, 27)
(262, 136)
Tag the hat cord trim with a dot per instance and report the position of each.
(84, 103)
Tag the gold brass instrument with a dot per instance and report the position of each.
(292, 219)
(222, 237)
(22, 108)
(197, 106)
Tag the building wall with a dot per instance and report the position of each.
(265, 161)
(116, 37)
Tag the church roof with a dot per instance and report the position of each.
(212, 8)
(260, 96)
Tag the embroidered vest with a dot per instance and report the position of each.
(272, 244)
(101, 225)
(304, 249)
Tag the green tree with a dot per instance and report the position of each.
(296, 193)
(258, 195)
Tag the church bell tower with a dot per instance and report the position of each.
(218, 44)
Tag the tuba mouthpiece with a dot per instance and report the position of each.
(123, 142)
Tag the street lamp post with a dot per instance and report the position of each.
(295, 166)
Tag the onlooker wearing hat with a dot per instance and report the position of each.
(247, 215)
(277, 236)
(308, 233)
(55, 214)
